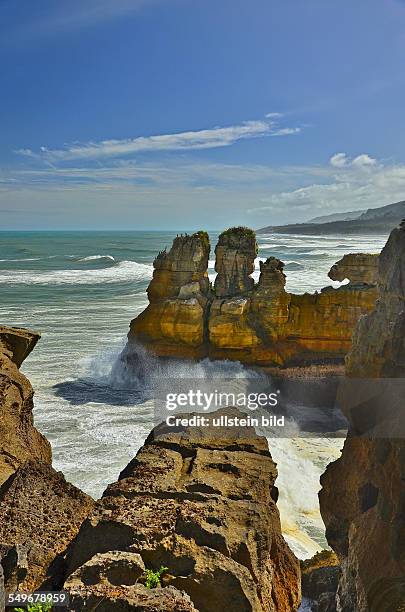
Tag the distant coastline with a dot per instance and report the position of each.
(372, 221)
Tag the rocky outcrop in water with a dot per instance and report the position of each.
(200, 502)
(235, 256)
(19, 440)
(358, 268)
(363, 496)
(236, 319)
(178, 296)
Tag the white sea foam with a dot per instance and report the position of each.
(124, 271)
(96, 257)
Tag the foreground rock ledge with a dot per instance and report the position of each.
(235, 319)
(202, 503)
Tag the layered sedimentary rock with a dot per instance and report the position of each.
(262, 324)
(199, 501)
(19, 440)
(235, 256)
(178, 298)
(357, 268)
(39, 511)
(363, 496)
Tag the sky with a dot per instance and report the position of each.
(198, 114)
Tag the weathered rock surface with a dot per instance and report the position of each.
(40, 513)
(260, 324)
(111, 581)
(357, 268)
(199, 501)
(178, 298)
(320, 576)
(235, 256)
(19, 440)
(363, 496)
(378, 343)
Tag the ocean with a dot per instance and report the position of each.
(80, 290)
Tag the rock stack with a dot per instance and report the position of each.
(235, 256)
(178, 296)
(262, 324)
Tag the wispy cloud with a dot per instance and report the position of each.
(200, 139)
(60, 17)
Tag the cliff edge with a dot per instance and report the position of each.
(362, 500)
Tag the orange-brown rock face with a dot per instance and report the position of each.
(199, 501)
(19, 440)
(363, 496)
(260, 324)
(177, 293)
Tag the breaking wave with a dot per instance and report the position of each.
(125, 271)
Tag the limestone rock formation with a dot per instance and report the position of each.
(178, 298)
(19, 440)
(40, 513)
(262, 324)
(362, 499)
(357, 267)
(199, 501)
(235, 261)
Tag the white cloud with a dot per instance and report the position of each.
(351, 184)
(341, 160)
(286, 131)
(200, 139)
(363, 161)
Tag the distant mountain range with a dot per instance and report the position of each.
(372, 221)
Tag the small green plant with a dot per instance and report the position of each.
(153, 577)
(36, 607)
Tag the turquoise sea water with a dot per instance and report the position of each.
(80, 290)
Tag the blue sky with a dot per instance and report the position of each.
(181, 114)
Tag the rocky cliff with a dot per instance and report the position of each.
(236, 319)
(19, 440)
(363, 496)
(200, 502)
(39, 511)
